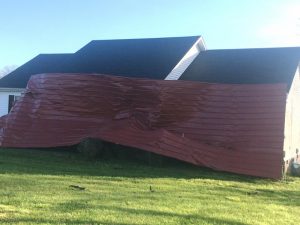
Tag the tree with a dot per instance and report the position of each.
(7, 69)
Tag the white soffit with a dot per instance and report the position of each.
(188, 58)
(12, 89)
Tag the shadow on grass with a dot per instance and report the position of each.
(65, 162)
(201, 219)
(148, 213)
(184, 217)
(65, 221)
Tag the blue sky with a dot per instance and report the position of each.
(30, 27)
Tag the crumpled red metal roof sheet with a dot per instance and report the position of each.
(235, 128)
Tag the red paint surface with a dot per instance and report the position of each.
(235, 128)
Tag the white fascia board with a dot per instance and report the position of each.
(201, 44)
(12, 89)
(187, 59)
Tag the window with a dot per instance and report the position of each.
(11, 101)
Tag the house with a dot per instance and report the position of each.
(235, 110)
(258, 66)
(155, 58)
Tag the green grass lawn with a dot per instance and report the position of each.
(35, 189)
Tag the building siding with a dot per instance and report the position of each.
(292, 123)
(4, 100)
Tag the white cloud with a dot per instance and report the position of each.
(285, 29)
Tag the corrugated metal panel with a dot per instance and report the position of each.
(236, 128)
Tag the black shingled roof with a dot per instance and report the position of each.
(43, 63)
(245, 66)
(148, 58)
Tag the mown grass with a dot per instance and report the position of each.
(35, 189)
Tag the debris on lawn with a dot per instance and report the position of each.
(151, 189)
(253, 193)
(76, 187)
